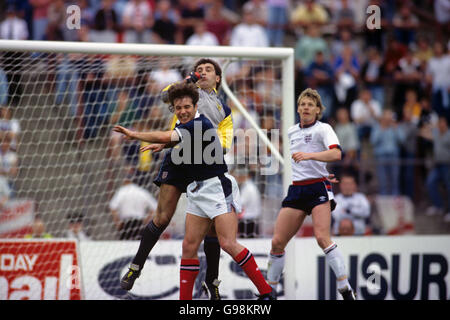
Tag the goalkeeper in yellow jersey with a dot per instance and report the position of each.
(207, 75)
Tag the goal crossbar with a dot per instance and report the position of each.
(145, 49)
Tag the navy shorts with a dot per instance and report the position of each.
(306, 197)
(171, 174)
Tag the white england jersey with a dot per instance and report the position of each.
(315, 138)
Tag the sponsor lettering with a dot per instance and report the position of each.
(382, 277)
(11, 262)
(39, 270)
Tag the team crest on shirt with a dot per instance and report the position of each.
(308, 138)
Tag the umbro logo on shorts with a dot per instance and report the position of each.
(164, 174)
(322, 198)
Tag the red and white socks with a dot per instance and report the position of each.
(246, 261)
(189, 270)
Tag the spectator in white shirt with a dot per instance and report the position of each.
(202, 37)
(260, 8)
(13, 27)
(249, 33)
(5, 192)
(442, 15)
(364, 112)
(131, 207)
(9, 164)
(438, 76)
(442, 11)
(350, 205)
(75, 227)
(248, 225)
(165, 75)
(9, 124)
(137, 19)
(348, 137)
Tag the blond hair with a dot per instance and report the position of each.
(315, 96)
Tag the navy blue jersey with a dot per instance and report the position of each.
(199, 155)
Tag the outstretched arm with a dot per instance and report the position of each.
(157, 147)
(324, 156)
(150, 136)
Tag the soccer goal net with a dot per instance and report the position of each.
(62, 164)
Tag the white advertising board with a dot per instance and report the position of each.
(395, 267)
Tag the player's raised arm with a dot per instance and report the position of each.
(150, 136)
(154, 147)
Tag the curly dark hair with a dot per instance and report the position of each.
(181, 90)
(217, 68)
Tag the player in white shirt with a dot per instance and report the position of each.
(313, 144)
(351, 205)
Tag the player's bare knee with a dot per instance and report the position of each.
(323, 240)
(277, 245)
(162, 218)
(189, 248)
(227, 244)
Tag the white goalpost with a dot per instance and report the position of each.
(59, 102)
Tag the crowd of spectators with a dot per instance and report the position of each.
(386, 90)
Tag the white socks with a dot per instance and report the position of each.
(333, 257)
(275, 268)
(335, 260)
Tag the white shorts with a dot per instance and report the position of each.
(212, 197)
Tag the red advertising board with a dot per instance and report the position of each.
(16, 218)
(39, 270)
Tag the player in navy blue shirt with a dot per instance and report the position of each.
(207, 76)
(200, 159)
(196, 148)
(213, 195)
